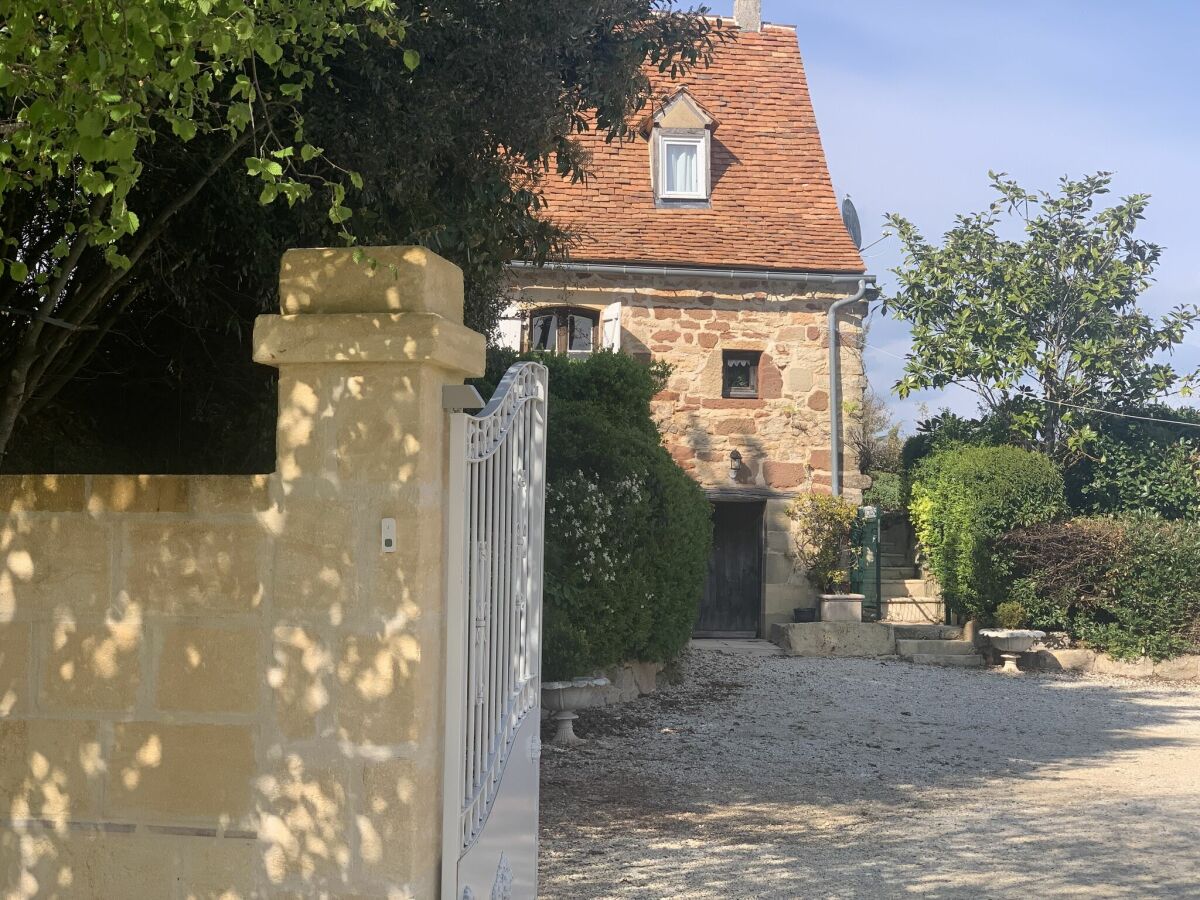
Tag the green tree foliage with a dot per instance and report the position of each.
(1040, 326)
(628, 532)
(87, 91)
(1146, 464)
(1135, 465)
(886, 491)
(963, 500)
(1129, 585)
(431, 123)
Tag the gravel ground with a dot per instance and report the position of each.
(767, 776)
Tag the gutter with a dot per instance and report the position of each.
(816, 278)
(864, 283)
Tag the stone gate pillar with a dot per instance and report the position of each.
(349, 801)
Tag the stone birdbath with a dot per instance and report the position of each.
(564, 697)
(1012, 642)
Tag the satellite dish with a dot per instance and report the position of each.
(850, 218)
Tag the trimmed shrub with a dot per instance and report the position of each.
(963, 500)
(1010, 614)
(628, 533)
(1128, 586)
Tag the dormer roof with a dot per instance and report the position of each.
(679, 110)
(772, 202)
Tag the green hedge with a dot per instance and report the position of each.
(963, 500)
(628, 533)
(1129, 586)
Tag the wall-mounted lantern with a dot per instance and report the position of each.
(735, 464)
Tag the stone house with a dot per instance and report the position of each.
(713, 241)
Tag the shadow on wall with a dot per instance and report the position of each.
(220, 685)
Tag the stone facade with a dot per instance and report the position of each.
(783, 435)
(221, 686)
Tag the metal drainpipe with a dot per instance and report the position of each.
(835, 389)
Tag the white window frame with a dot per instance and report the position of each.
(700, 142)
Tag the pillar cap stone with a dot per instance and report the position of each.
(369, 339)
(383, 280)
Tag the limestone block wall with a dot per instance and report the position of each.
(783, 436)
(223, 686)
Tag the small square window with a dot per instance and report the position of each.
(739, 370)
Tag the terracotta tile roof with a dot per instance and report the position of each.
(773, 205)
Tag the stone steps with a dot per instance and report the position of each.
(904, 587)
(938, 651)
(925, 646)
(954, 659)
(928, 632)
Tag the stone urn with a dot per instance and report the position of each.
(1011, 643)
(841, 607)
(564, 697)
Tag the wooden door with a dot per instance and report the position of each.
(733, 592)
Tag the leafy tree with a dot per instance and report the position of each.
(87, 89)
(429, 123)
(875, 436)
(1145, 465)
(1041, 326)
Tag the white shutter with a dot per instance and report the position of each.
(508, 334)
(610, 327)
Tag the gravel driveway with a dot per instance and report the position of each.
(767, 776)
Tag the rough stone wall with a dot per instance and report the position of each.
(222, 687)
(784, 435)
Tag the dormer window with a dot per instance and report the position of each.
(684, 167)
(680, 139)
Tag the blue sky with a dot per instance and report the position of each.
(916, 101)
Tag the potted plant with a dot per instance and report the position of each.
(821, 536)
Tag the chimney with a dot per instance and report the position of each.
(747, 14)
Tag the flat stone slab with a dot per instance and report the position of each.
(735, 646)
(959, 660)
(834, 639)
(910, 647)
(916, 631)
(1182, 668)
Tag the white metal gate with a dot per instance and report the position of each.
(494, 627)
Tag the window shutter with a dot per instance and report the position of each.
(610, 327)
(508, 334)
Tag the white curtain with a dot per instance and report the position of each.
(683, 169)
